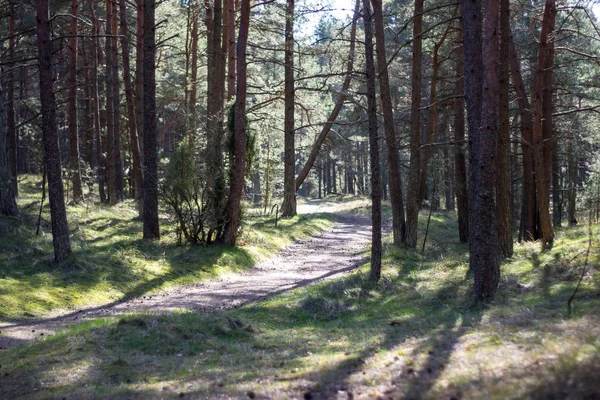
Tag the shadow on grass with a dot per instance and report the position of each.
(109, 255)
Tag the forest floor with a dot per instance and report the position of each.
(416, 334)
(335, 251)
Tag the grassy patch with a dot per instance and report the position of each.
(111, 261)
(414, 335)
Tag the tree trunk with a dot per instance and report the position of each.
(398, 222)
(100, 162)
(111, 168)
(462, 193)
(74, 156)
(151, 227)
(375, 273)
(504, 173)
(229, 45)
(288, 208)
(58, 213)
(572, 185)
(557, 209)
(134, 143)
(11, 121)
(541, 130)
(139, 76)
(482, 115)
(528, 225)
(191, 106)
(114, 66)
(214, 122)
(8, 204)
(412, 199)
(237, 184)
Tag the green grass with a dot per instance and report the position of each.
(416, 334)
(110, 260)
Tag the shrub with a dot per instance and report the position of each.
(183, 191)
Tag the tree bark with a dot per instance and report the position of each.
(504, 173)
(11, 121)
(114, 66)
(101, 162)
(528, 224)
(58, 213)
(412, 197)
(111, 167)
(460, 166)
(74, 156)
(230, 13)
(572, 185)
(237, 184)
(375, 273)
(151, 227)
(191, 106)
(8, 204)
(557, 203)
(214, 122)
(541, 130)
(139, 75)
(398, 222)
(481, 82)
(288, 208)
(134, 143)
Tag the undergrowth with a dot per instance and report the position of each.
(110, 260)
(416, 334)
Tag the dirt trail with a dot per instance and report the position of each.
(335, 251)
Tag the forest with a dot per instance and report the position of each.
(292, 199)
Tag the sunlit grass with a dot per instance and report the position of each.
(417, 334)
(111, 261)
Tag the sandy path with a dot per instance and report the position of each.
(335, 251)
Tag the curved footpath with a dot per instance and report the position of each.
(335, 251)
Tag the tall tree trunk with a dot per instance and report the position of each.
(482, 115)
(88, 121)
(214, 122)
(114, 66)
(542, 109)
(557, 203)
(288, 208)
(8, 204)
(74, 156)
(139, 75)
(11, 121)
(101, 162)
(151, 227)
(375, 273)
(572, 184)
(134, 143)
(528, 225)
(314, 151)
(504, 173)
(58, 213)
(111, 167)
(460, 166)
(398, 222)
(191, 106)
(230, 13)
(412, 197)
(237, 183)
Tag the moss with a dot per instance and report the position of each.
(110, 260)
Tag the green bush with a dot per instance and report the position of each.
(184, 192)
